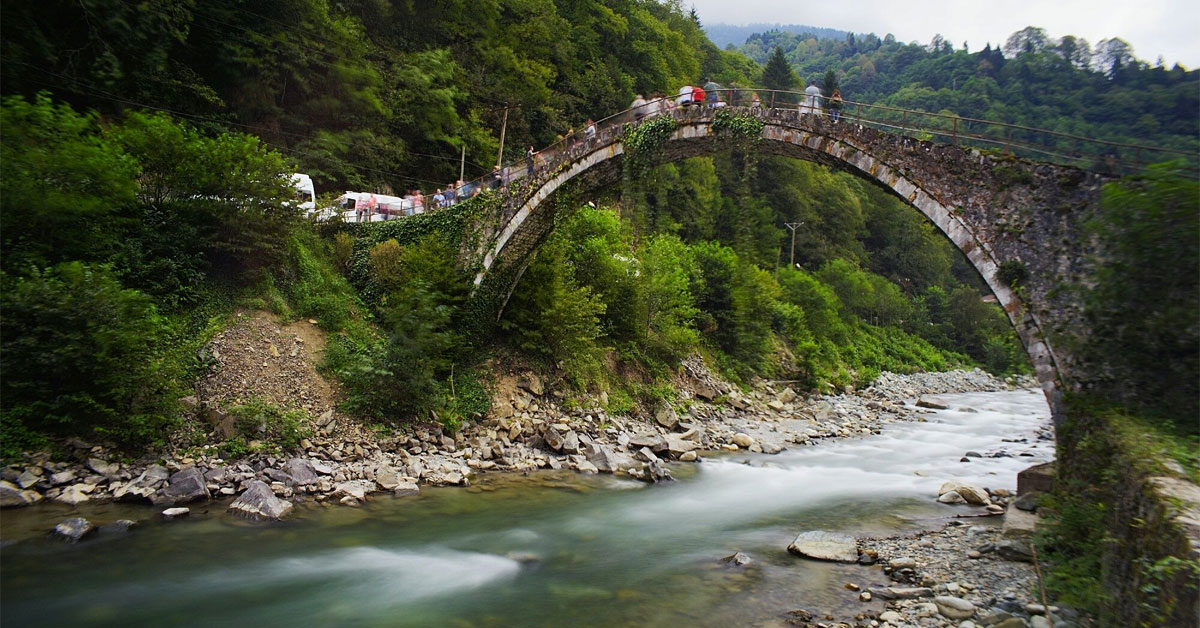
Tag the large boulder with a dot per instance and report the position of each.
(187, 485)
(387, 477)
(74, 529)
(259, 502)
(954, 607)
(75, 494)
(1036, 479)
(301, 470)
(932, 403)
(103, 468)
(972, 494)
(822, 545)
(666, 416)
(12, 496)
(677, 445)
(606, 460)
(655, 442)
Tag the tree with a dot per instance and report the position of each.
(830, 83)
(1028, 40)
(778, 75)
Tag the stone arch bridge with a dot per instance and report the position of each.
(996, 209)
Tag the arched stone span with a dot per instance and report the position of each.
(994, 208)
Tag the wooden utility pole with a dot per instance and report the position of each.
(462, 162)
(503, 127)
(793, 226)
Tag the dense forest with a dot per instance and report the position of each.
(1099, 91)
(144, 183)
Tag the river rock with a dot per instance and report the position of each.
(102, 467)
(62, 477)
(737, 559)
(354, 488)
(678, 445)
(11, 496)
(553, 439)
(903, 562)
(176, 513)
(954, 607)
(654, 441)
(822, 545)
(302, 471)
(904, 593)
(1014, 550)
(743, 440)
(666, 416)
(570, 442)
(387, 478)
(891, 617)
(75, 494)
(185, 486)
(74, 529)
(972, 494)
(153, 476)
(951, 497)
(687, 456)
(933, 403)
(258, 501)
(118, 526)
(407, 487)
(28, 478)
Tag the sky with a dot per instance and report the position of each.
(1170, 28)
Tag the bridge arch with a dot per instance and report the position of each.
(970, 196)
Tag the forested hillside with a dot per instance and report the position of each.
(1099, 91)
(146, 154)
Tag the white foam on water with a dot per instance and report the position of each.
(906, 460)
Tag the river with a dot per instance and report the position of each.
(543, 549)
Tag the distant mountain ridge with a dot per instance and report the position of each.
(736, 34)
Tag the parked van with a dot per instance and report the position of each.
(386, 207)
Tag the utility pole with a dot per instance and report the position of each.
(462, 162)
(503, 126)
(793, 226)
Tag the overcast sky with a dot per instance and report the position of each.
(1153, 27)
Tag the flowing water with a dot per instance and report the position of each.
(547, 549)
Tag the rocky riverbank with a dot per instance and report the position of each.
(527, 429)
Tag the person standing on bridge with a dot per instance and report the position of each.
(589, 131)
(812, 100)
(529, 156)
(639, 107)
(712, 92)
(835, 105)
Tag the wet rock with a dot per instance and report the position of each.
(13, 497)
(737, 559)
(176, 513)
(406, 487)
(951, 497)
(387, 478)
(120, 526)
(74, 529)
(823, 545)
(688, 456)
(258, 501)
(185, 486)
(75, 494)
(954, 607)
(932, 403)
(972, 494)
(891, 617)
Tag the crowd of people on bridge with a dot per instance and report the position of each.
(708, 94)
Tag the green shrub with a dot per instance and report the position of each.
(79, 356)
(258, 419)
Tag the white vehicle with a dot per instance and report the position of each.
(305, 194)
(386, 207)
